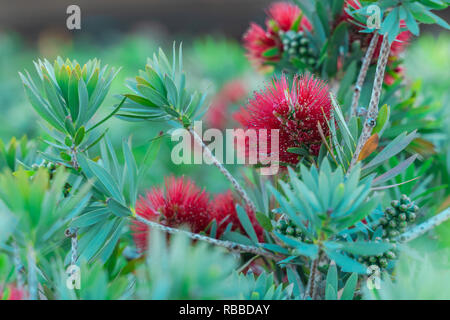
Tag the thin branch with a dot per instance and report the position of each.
(311, 289)
(231, 246)
(372, 112)
(72, 233)
(363, 72)
(32, 274)
(75, 164)
(224, 171)
(424, 227)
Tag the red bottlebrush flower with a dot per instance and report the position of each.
(392, 75)
(349, 4)
(285, 14)
(180, 204)
(232, 92)
(12, 293)
(401, 41)
(295, 111)
(397, 46)
(257, 41)
(281, 17)
(217, 113)
(224, 211)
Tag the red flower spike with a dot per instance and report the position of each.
(285, 15)
(224, 211)
(295, 111)
(281, 17)
(180, 204)
(12, 293)
(232, 92)
(257, 41)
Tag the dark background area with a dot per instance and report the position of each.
(101, 17)
(229, 17)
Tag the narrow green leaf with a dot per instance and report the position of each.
(79, 136)
(332, 278)
(393, 148)
(366, 248)
(154, 96)
(349, 288)
(118, 209)
(264, 221)
(246, 223)
(83, 100)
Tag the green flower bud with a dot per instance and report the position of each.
(290, 231)
(395, 203)
(390, 255)
(403, 224)
(404, 199)
(393, 233)
(383, 262)
(304, 41)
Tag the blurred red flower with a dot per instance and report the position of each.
(12, 293)
(257, 41)
(295, 111)
(398, 46)
(231, 92)
(285, 14)
(182, 203)
(224, 211)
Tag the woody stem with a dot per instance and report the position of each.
(232, 246)
(424, 227)
(363, 72)
(224, 171)
(372, 112)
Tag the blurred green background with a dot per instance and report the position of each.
(124, 34)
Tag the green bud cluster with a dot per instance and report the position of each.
(297, 44)
(289, 228)
(380, 260)
(50, 166)
(394, 222)
(397, 217)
